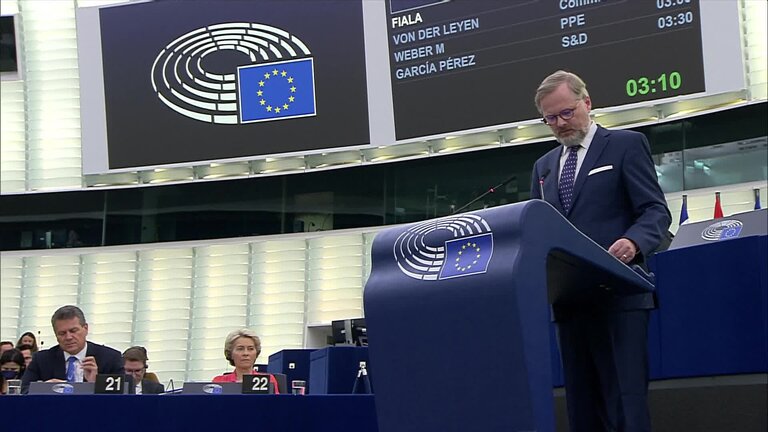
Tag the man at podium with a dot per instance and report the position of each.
(604, 182)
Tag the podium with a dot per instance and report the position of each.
(713, 295)
(458, 316)
(714, 308)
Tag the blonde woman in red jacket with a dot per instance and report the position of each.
(242, 347)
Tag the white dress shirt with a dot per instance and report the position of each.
(78, 364)
(582, 153)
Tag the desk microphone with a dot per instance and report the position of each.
(541, 183)
(171, 390)
(484, 194)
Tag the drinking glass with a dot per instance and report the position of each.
(298, 387)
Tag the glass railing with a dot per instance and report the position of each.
(715, 150)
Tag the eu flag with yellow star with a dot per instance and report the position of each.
(466, 256)
(276, 90)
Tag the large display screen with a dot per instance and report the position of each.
(200, 80)
(9, 62)
(463, 64)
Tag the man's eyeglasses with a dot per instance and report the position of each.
(565, 114)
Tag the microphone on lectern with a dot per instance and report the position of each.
(484, 194)
(541, 183)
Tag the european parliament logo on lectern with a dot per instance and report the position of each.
(450, 247)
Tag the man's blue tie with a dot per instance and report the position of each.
(568, 178)
(71, 368)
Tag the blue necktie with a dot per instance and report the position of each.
(568, 178)
(71, 369)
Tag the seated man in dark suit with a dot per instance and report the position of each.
(74, 359)
(135, 359)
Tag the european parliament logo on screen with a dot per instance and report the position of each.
(445, 248)
(274, 81)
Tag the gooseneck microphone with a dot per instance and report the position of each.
(541, 183)
(484, 194)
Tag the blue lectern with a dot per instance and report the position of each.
(458, 317)
(713, 297)
(714, 308)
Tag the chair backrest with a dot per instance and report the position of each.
(282, 382)
(152, 377)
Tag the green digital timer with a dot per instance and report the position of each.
(661, 84)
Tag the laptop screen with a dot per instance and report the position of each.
(60, 388)
(211, 388)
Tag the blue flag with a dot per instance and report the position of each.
(276, 91)
(757, 198)
(466, 256)
(684, 210)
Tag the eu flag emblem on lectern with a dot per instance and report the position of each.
(276, 91)
(467, 256)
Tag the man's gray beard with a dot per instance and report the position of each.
(574, 139)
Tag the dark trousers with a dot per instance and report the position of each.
(605, 363)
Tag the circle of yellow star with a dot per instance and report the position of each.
(279, 107)
(472, 248)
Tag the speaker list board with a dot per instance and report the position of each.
(458, 65)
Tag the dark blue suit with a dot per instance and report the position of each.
(603, 339)
(48, 364)
(151, 387)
